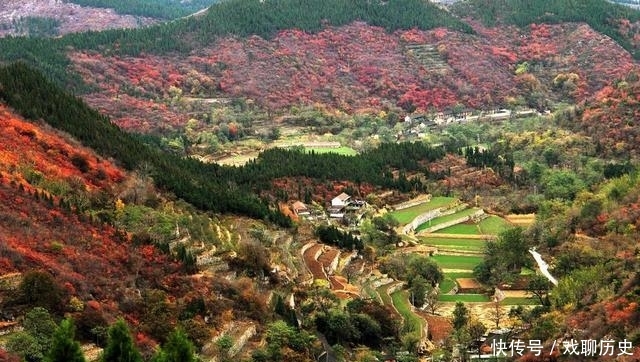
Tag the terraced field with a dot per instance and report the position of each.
(405, 216)
(462, 229)
(457, 262)
(447, 218)
(413, 323)
(493, 225)
(445, 245)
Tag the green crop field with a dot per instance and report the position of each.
(446, 218)
(469, 298)
(468, 245)
(344, 150)
(464, 262)
(405, 216)
(413, 323)
(493, 225)
(464, 229)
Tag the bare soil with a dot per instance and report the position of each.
(73, 18)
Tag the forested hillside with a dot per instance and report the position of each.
(207, 186)
(601, 15)
(235, 17)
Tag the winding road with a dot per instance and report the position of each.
(544, 267)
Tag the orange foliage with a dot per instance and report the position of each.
(44, 150)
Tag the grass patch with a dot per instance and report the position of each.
(473, 245)
(343, 150)
(446, 218)
(465, 262)
(527, 271)
(463, 228)
(447, 285)
(469, 298)
(412, 323)
(405, 216)
(493, 225)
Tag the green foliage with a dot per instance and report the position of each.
(460, 316)
(579, 288)
(280, 335)
(242, 17)
(504, 258)
(561, 184)
(120, 347)
(178, 348)
(334, 236)
(26, 346)
(64, 348)
(426, 268)
(599, 14)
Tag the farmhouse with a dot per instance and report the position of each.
(341, 200)
(300, 209)
(468, 285)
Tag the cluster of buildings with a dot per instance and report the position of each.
(341, 205)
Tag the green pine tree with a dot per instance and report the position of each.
(120, 347)
(64, 348)
(177, 349)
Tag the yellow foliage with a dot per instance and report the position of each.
(75, 304)
(119, 205)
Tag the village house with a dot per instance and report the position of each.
(341, 200)
(300, 209)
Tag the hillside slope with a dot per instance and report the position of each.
(357, 68)
(52, 18)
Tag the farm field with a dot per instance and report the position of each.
(405, 216)
(343, 150)
(462, 229)
(447, 218)
(459, 262)
(452, 244)
(493, 225)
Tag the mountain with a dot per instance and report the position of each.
(303, 54)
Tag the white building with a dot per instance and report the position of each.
(341, 200)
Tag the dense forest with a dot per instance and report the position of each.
(601, 15)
